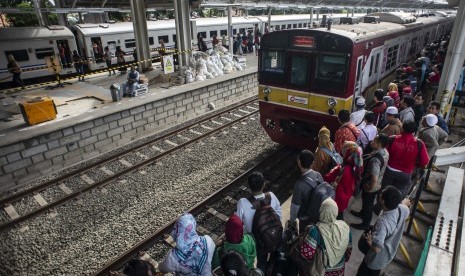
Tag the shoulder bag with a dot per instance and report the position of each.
(313, 267)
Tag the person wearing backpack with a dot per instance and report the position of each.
(346, 132)
(368, 133)
(261, 214)
(344, 177)
(303, 189)
(372, 176)
(326, 156)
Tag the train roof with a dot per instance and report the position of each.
(363, 31)
(28, 33)
(123, 27)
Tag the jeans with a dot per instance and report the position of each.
(130, 88)
(368, 200)
(79, 69)
(110, 67)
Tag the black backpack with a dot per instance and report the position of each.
(312, 203)
(266, 227)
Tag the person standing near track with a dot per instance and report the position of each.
(15, 69)
(78, 65)
(107, 56)
(346, 132)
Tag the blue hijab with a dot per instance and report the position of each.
(191, 249)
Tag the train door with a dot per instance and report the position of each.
(358, 77)
(97, 49)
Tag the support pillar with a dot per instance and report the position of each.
(454, 61)
(40, 15)
(141, 36)
(311, 18)
(352, 12)
(183, 31)
(62, 17)
(318, 15)
(269, 19)
(230, 30)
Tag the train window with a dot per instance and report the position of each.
(331, 72)
(111, 42)
(223, 32)
(164, 37)
(299, 71)
(294, 26)
(242, 30)
(300, 25)
(19, 55)
(289, 26)
(305, 25)
(174, 38)
(372, 63)
(391, 61)
(151, 41)
(283, 26)
(272, 66)
(413, 47)
(130, 43)
(234, 31)
(44, 52)
(203, 34)
(377, 63)
(212, 33)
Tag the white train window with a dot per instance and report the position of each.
(212, 33)
(19, 55)
(223, 32)
(44, 52)
(392, 57)
(151, 41)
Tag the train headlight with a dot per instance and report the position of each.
(266, 92)
(332, 102)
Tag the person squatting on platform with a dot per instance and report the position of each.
(130, 86)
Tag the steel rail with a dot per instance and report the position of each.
(166, 229)
(56, 181)
(143, 163)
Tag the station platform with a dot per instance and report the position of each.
(89, 123)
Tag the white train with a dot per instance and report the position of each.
(30, 45)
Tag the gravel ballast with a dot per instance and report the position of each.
(84, 236)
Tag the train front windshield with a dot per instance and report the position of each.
(316, 72)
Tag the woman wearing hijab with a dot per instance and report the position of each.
(237, 241)
(393, 92)
(333, 236)
(322, 161)
(193, 253)
(346, 175)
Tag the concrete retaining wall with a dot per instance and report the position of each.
(62, 144)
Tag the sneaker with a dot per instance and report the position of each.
(355, 213)
(360, 226)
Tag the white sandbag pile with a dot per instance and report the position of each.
(211, 64)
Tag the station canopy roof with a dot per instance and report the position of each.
(278, 4)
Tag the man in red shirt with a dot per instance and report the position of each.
(435, 76)
(346, 132)
(405, 153)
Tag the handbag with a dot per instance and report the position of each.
(363, 245)
(313, 267)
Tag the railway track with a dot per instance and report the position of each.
(73, 184)
(280, 171)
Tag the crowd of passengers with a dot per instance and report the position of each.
(378, 153)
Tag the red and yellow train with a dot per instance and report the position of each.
(306, 76)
